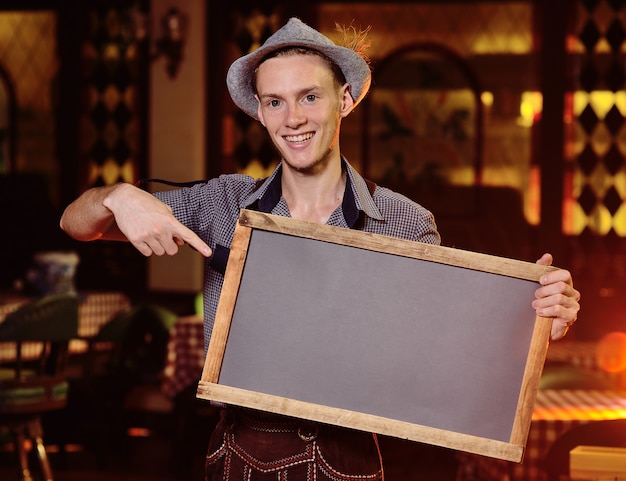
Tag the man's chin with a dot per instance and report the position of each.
(308, 165)
(304, 167)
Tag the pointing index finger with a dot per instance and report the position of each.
(196, 243)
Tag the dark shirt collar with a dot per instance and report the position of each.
(273, 192)
(351, 212)
(356, 197)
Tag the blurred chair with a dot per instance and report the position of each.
(120, 388)
(610, 433)
(30, 388)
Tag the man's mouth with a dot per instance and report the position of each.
(299, 138)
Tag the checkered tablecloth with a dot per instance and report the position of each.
(94, 310)
(556, 411)
(185, 355)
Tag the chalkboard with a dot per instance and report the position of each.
(421, 342)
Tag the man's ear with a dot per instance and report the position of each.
(347, 102)
(259, 114)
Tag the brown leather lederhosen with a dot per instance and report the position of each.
(256, 446)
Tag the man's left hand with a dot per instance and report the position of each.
(557, 299)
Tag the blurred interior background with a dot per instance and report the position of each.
(505, 118)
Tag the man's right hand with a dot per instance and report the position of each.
(125, 212)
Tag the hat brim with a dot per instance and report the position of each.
(295, 33)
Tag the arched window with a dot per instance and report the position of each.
(423, 122)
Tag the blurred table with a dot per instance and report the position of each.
(95, 309)
(556, 411)
(185, 355)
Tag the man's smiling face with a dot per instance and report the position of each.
(301, 105)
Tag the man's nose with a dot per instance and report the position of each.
(295, 115)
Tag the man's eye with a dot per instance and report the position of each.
(310, 98)
(274, 103)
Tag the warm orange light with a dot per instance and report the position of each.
(611, 352)
(138, 432)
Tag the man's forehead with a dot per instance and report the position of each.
(290, 57)
(312, 71)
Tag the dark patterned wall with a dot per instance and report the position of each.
(111, 124)
(598, 164)
(112, 136)
(595, 190)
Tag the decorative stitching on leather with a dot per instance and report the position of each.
(312, 457)
(335, 475)
(306, 456)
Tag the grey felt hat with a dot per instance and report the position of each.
(297, 34)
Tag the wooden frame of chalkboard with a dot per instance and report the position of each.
(420, 342)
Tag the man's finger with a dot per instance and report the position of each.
(196, 243)
(143, 248)
(545, 260)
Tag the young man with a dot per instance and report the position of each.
(300, 86)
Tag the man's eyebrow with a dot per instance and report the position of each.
(299, 93)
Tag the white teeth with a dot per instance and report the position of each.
(298, 138)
